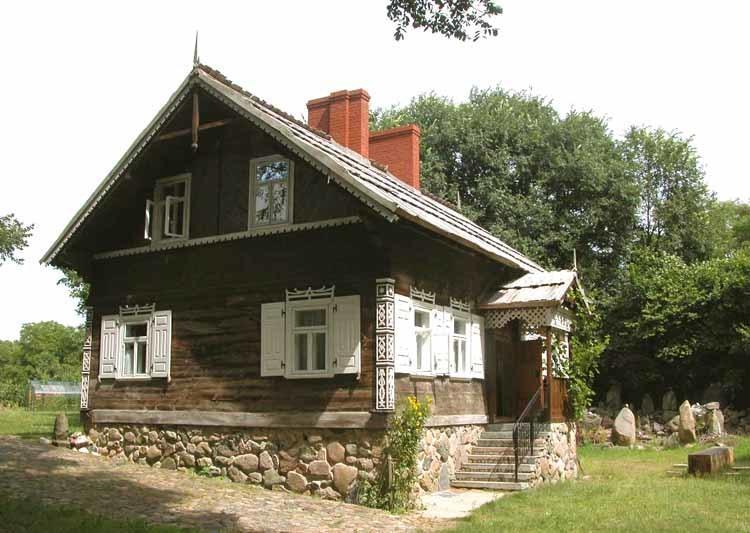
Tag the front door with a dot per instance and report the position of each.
(528, 372)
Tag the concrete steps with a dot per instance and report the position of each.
(492, 485)
(491, 463)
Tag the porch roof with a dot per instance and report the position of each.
(540, 289)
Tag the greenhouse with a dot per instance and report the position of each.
(45, 395)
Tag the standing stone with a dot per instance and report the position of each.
(647, 405)
(343, 476)
(669, 401)
(336, 452)
(686, 430)
(715, 422)
(614, 396)
(61, 430)
(623, 430)
(296, 482)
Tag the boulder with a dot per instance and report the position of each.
(255, 478)
(669, 401)
(247, 462)
(614, 396)
(187, 460)
(296, 482)
(336, 452)
(647, 405)
(343, 476)
(686, 430)
(169, 464)
(623, 429)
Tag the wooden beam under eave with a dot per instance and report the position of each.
(188, 131)
(196, 121)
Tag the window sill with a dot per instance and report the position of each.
(417, 376)
(309, 376)
(129, 379)
(459, 378)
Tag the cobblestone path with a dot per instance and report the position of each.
(59, 476)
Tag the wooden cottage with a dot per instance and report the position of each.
(279, 287)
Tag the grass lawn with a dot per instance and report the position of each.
(627, 490)
(33, 424)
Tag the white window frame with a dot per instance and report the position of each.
(254, 186)
(466, 338)
(130, 321)
(292, 330)
(423, 307)
(157, 211)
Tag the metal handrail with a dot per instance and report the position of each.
(524, 432)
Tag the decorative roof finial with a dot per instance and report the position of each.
(196, 60)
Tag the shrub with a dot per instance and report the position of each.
(393, 488)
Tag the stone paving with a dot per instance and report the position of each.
(126, 491)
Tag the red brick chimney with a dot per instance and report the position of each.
(398, 149)
(345, 116)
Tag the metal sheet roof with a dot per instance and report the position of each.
(533, 290)
(376, 187)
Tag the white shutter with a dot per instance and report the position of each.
(109, 347)
(476, 346)
(161, 344)
(272, 339)
(346, 336)
(440, 341)
(406, 343)
(147, 233)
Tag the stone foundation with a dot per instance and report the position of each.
(558, 460)
(443, 451)
(323, 462)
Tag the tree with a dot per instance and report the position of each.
(729, 227)
(674, 203)
(457, 19)
(14, 237)
(543, 183)
(44, 351)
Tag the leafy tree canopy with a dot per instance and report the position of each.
(457, 19)
(78, 289)
(14, 237)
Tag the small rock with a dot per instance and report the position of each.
(351, 449)
(130, 437)
(336, 452)
(343, 476)
(169, 464)
(247, 462)
(225, 451)
(319, 470)
(187, 460)
(153, 454)
(44, 440)
(328, 493)
(712, 406)
(236, 475)
(255, 478)
(204, 462)
(271, 477)
(296, 482)
(265, 462)
(171, 436)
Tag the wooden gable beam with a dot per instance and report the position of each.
(188, 131)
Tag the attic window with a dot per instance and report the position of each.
(168, 214)
(270, 188)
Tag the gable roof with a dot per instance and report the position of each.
(539, 289)
(376, 187)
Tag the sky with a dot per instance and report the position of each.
(79, 81)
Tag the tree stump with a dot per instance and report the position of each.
(711, 460)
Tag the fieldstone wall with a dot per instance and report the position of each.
(444, 450)
(323, 462)
(558, 456)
